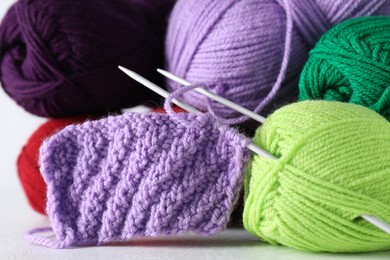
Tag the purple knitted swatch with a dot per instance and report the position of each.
(140, 175)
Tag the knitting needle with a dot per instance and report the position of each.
(157, 89)
(254, 148)
(215, 97)
(373, 220)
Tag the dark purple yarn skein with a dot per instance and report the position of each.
(59, 58)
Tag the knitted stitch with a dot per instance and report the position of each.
(140, 175)
(333, 166)
(351, 63)
(27, 164)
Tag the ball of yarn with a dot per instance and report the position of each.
(27, 164)
(60, 58)
(333, 166)
(351, 63)
(251, 51)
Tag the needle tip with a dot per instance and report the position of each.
(130, 73)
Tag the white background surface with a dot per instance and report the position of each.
(16, 217)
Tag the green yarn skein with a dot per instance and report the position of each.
(351, 63)
(333, 166)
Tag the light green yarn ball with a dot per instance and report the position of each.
(333, 166)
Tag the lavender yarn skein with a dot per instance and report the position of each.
(140, 175)
(59, 58)
(251, 51)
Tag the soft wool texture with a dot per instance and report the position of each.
(351, 63)
(59, 58)
(28, 169)
(333, 166)
(251, 51)
(140, 175)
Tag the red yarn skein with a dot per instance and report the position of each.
(27, 164)
(162, 110)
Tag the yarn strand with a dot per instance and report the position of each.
(283, 67)
(32, 237)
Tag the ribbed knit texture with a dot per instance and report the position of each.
(351, 63)
(28, 169)
(140, 175)
(333, 166)
(251, 51)
(27, 164)
(59, 58)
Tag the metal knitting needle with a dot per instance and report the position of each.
(157, 89)
(215, 97)
(373, 220)
(254, 148)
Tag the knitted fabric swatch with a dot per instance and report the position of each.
(140, 175)
(27, 165)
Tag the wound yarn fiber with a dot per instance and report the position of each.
(251, 51)
(351, 63)
(27, 164)
(59, 58)
(333, 166)
(140, 175)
